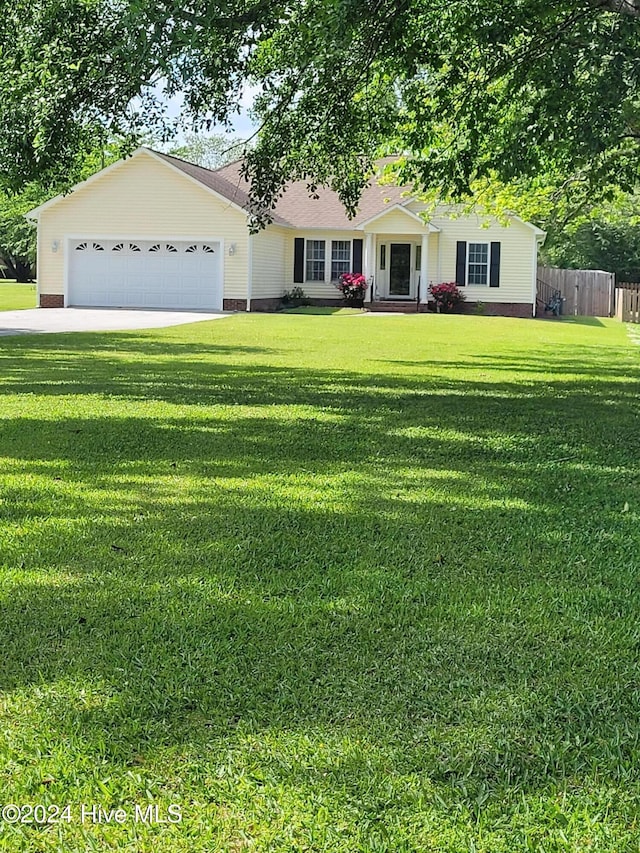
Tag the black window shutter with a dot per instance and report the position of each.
(356, 264)
(494, 272)
(461, 263)
(298, 260)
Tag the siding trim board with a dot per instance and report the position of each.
(249, 271)
(39, 238)
(534, 276)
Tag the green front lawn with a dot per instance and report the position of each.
(15, 297)
(329, 583)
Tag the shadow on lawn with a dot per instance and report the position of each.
(437, 566)
(200, 374)
(594, 363)
(583, 321)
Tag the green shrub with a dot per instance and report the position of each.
(295, 298)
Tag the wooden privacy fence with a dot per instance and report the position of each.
(628, 304)
(586, 293)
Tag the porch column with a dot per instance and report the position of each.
(369, 265)
(424, 266)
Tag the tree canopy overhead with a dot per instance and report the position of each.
(468, 90)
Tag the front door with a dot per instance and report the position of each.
(400, 269)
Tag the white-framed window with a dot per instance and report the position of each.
(340, 258)
(315, 260)
(478, 263)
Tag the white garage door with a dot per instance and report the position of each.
(145, 274)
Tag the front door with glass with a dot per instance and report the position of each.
(400, 270)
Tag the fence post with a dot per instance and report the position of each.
(612, 295)
(628, 305)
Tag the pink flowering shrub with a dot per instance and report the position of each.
(352, 285)
(446, 295)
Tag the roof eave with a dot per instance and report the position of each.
(537, 231)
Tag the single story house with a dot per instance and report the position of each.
(153, 231)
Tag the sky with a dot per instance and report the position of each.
(242, 125)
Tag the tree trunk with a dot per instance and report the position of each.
(23, 272)
(8, 263)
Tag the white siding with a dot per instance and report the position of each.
(269, 271)
(395, 222)
(433, 272)
(142, 198)
(516, 257)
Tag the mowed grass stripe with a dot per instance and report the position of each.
(328, 582)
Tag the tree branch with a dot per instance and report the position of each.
(622, 7)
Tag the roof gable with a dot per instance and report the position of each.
(403, 210)
(218, 188)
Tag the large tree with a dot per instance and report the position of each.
(603, 236)
(468, 90)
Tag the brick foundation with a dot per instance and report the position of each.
(269, 304)
(274, 303)
(51, 300)
(489, 309)
(406, 306)
(328, 303)
(234, 304)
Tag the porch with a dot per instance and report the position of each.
(399, 260)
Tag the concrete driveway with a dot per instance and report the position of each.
(49, 320)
